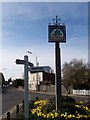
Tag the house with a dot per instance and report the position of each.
(39, 74)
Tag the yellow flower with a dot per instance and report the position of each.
(65, 113)
(44, 116)
(81, 116)
(62, 115)
(77, 116)
(56, 114)
(81, 102)
(85, 116)
(77, 106)
(52, 115)
(48, 115)
(69, 116)
(39, 114)
(73, 116)
(32, 112)
(87, 108)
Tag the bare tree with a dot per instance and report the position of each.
(74, 72)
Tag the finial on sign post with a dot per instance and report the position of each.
(56, 21)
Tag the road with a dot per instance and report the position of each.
(41, 95)
(12, 96)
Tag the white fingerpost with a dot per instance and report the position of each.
(26, 92)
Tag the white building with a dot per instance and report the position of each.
(37, 75)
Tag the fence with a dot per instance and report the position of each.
(51, 89)
(81, 92)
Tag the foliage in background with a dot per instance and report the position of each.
(18, 82)
(75, 72)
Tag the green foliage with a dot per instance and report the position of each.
(49, 106)
(51, 103)
(75, 72)
(68, 99)
(81, 86)
(18, 82)
(45, 82)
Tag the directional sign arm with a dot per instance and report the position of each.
(30, 64)
(18, 61)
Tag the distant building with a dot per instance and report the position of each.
(38, 75)
(2, 79)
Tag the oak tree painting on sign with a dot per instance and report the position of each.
(57, 33)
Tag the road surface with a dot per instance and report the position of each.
(11, 97)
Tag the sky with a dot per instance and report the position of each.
(25, 28)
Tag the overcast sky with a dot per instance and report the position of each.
(25, 27)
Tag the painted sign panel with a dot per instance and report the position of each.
(56, 33)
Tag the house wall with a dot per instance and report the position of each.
(41, 76)
(49, 77)
(32, 81)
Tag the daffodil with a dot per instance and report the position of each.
(56, 114)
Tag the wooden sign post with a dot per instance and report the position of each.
(26, 93)
(57, 33)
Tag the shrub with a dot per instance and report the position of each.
(68, 99)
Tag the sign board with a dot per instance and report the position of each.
(18, 61)
(56, 33)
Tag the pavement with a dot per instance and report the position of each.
(73, 95)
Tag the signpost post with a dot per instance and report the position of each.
(57, 33)
(26, 94)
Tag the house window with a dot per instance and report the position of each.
(30, 85)
(39, 78)
(33, 78)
